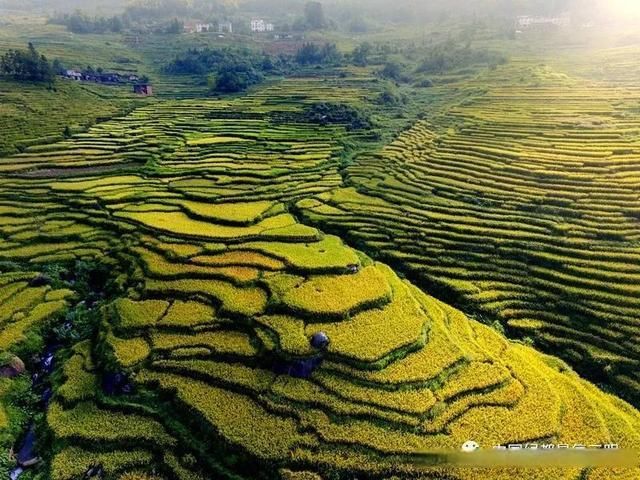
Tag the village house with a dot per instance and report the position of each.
(225, 27)
(109, 77)
(73, 75)
(288, 36)
(144, 89)
(197, 27)
(259, 25)
(524, 22)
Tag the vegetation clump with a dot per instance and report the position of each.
(313, 54)
(26, 65)
(231, 70)
(450, 56)
(79, 22)
(327, 113)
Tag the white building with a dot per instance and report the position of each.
(203, 27)
(528, 21)
(260, 25)
(225, 27)
(198, 27)
(73, 75)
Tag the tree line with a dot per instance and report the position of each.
(232, 70)
(236, 69)
(166, 16)
(79, 22)
(26, 65)
(227, 70)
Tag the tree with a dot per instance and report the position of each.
(26, 65)
(312, 54)
(391, 97)
(336, 113)
(392, 71)
(229, 82)
(314, 15)
(358, 25)
(227, 70)
(361, 54)
(308, 54)
(175, 27)
(79, 22)
(330, 54)
(57, 67)
(117, 25)
(267, 64)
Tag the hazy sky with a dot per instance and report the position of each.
(391, 10)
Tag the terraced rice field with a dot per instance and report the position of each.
(220, 287)
(520, 203)
(32, 114)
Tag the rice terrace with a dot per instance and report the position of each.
(327, 240)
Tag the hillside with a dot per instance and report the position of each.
(217, 287)
(380, 247)
(538, 174)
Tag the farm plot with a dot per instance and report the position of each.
(27, 109)
(520, 204)
(201, 365)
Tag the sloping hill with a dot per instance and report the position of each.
(199, 365)
(520, 204)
